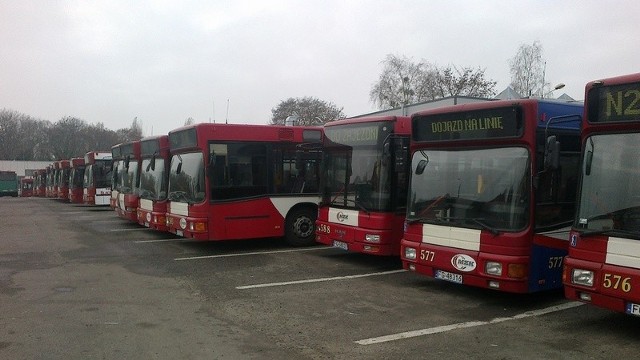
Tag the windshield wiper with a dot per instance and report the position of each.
(484, 225)
(178, 195)
(359, 205)
(610, 232)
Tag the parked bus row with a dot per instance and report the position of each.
(84, 180)
(520, 195)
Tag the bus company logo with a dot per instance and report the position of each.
(463, 262)
(183, 223)
(574, 240)
(342, 217)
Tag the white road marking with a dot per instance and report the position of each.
(318, 280)
(445, 328)
(251, 253)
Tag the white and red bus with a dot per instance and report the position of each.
(63, 179)
(55, 179)
(40, 183)
(76, 180)
(492, 193)
(229, 181)
(116, 167)
(603, 265)
(364, 187)
(128, 177)
(97, 178)
(154, 151)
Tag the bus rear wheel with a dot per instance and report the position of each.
(301, 227)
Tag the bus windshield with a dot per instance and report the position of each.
(610, 185)
(358, 172)
(76, 177)
(152, 184)
(127, 177)
(480, 188)
(102, 173)
(186, 178)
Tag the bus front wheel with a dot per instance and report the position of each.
(301, 226)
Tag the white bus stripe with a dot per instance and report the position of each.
(318, 280)
(445, 328)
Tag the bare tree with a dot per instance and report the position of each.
(527, 70)
(307, 110)
(454, 81)
(189, 121)
(404, 82)
(130, 134)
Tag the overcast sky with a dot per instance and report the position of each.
(165, 61)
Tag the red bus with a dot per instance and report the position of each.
(63, 179)
(26, 187)
(603, 265)
(116, 167)
(97, 178)
(40, 183)
(76, 181)
(369, 155)
(127, 185)
(492, 193)
(55, 179)
(152, 190)
(49, 180)
(229, 181)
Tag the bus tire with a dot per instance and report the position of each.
(301, 226)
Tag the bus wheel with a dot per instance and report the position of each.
(301, 227)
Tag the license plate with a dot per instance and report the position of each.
(633, 309)
(340, 244)
(447, 276)
(179, 232)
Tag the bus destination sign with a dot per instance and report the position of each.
(615, 103)
(478, 124)
(357, 134)
(183, 139)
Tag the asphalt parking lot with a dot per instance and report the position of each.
(81, 283)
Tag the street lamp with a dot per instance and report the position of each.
(557, 87)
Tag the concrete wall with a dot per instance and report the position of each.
(23, 168)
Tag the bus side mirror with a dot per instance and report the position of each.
(422, 164)
(211, 163)
(152, 164)
(587, 162)
(552, 153)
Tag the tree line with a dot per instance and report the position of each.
(404, 81)
(25, 138)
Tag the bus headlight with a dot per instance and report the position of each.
(409, 253)
(582, 277)
(493, 268)
(372, 238)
